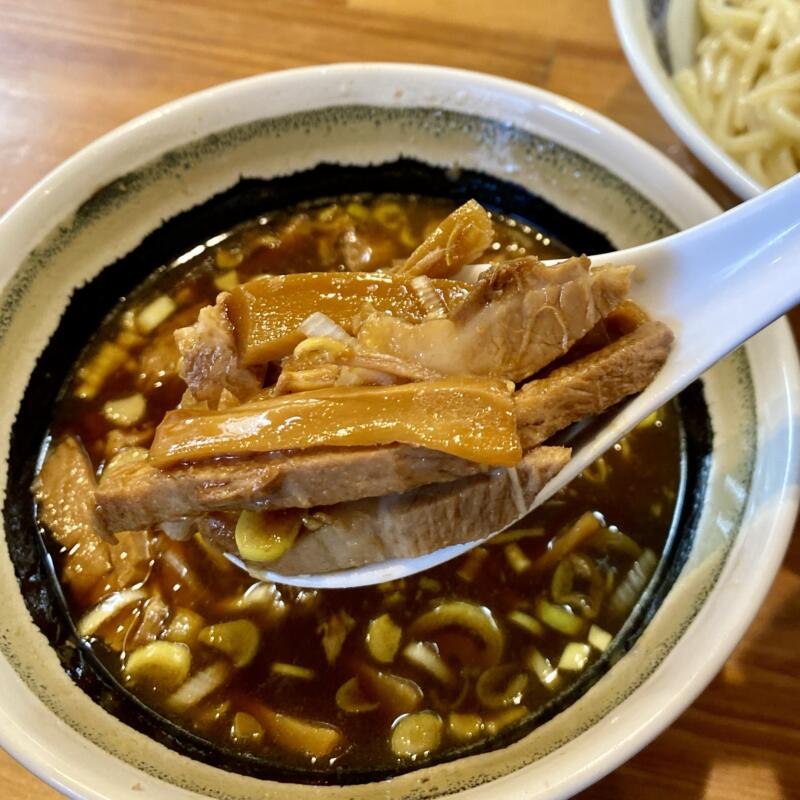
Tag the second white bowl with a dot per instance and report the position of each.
(659, 38)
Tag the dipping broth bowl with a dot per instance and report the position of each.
(154, 188)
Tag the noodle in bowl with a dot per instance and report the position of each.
(725, 75)
(744, 87)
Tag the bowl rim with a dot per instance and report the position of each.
(723, 617)
(628, 17)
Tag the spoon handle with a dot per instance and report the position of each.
(715, 285)
(719, 283)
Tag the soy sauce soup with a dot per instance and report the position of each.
(384, 677)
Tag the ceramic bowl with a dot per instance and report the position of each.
(659, 38)
(93, 228)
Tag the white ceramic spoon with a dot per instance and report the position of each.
(715, 285)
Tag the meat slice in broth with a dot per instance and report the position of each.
(521, 316)
(592, 384)
(64, 491)
(139, 494)
(209, 361)
(421, 521)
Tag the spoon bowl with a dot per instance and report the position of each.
(715, 285)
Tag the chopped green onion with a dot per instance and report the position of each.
(416, 734)
(125, 412)
(579, 532)
(429, 585)
(238, 639)
(227, 281)
(319, 324)
(597, 472)
(501, 686)
(108, 608)
(517, 560)
(630, 589)
(246, 729)
(383, 638)
(516, 534)
(599, 639)
(228, 257)
(650, 420)
(574, 657)
(540, 666)
(200, 686)
(656, 509)
(352, 700)
(475, 619)
(472, 564)
(357, 211)
(163, 665)
(291, 670)
(154, 313)
(464, 727)
(397, 695)
(423, 288)
(558, 618)
(426, 657)
(502, 719)
(613, 539)
(185, 626)
(526, 622)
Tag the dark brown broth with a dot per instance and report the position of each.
(634, 488)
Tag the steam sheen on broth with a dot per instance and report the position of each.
(379, 677)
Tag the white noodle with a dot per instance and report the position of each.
(744, 87)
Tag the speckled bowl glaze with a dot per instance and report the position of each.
(504, 142)
(659, 38)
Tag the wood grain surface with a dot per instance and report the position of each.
(70, 70)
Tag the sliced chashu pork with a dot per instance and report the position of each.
(209, 360)
(139, 494)
(421, 521)
(521, 316)
(64, 492)
(591, 384)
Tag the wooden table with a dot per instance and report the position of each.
(71, 70)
